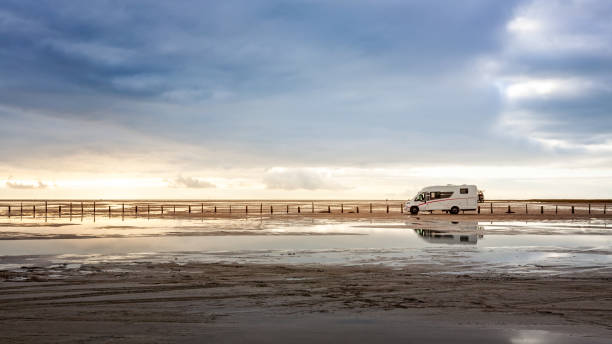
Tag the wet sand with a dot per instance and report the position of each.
(145, 302)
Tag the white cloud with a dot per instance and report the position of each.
(547, 88)
(190, 182)
(523, 24)
(25, 184)
(553, 143)
(553, 27)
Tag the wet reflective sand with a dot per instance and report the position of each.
(502, 247)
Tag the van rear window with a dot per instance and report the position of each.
(463, 190)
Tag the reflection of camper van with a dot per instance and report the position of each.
(461, 233)
(440, 237)
(450, 198)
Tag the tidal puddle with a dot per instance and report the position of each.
(466, 247)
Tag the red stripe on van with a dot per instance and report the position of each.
(444, 199)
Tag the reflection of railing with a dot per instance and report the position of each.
(442, 237)
(59, 208)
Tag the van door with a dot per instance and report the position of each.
(465, 194)
(426, 199)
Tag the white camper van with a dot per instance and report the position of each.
(452, 198)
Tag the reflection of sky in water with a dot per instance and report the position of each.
(461, 247)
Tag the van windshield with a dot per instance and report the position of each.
(420, 197)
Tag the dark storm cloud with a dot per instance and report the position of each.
(312, 82)
(248, 48)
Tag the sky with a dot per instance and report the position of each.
(304, 99)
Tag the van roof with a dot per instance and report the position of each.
(448, 186)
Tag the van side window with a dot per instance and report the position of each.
(440, 194)
(463, 190)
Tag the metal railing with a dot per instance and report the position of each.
(71, 208)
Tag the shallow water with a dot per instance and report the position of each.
(566, 247)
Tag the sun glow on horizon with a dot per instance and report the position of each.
(319, 183)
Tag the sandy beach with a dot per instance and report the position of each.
(139, 303)
(426, 278)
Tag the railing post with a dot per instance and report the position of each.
(123, 209)
(572, 209)
(70, 208)
(230, 208)
(299, 210)
(246, 209)
(370, 208)
(589, 208)
(556, 209)
(94, 208)
(261, 208)
(215, 209)
(387, 209)
(271, 209)
(9, 211)
(59, 210)
(357, 209)
(604, 209)
(478, 209)
(189, 209)
(109, 211)
(81, 208)
(541, 209)
(526, 210)
(491, 207)
(136, 210)
(45, 207)
(401, 208)
(287, 208)
(329, 209)
(341, 208)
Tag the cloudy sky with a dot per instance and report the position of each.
(304, 99)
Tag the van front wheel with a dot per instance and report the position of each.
(454, 210)
(414, 210)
